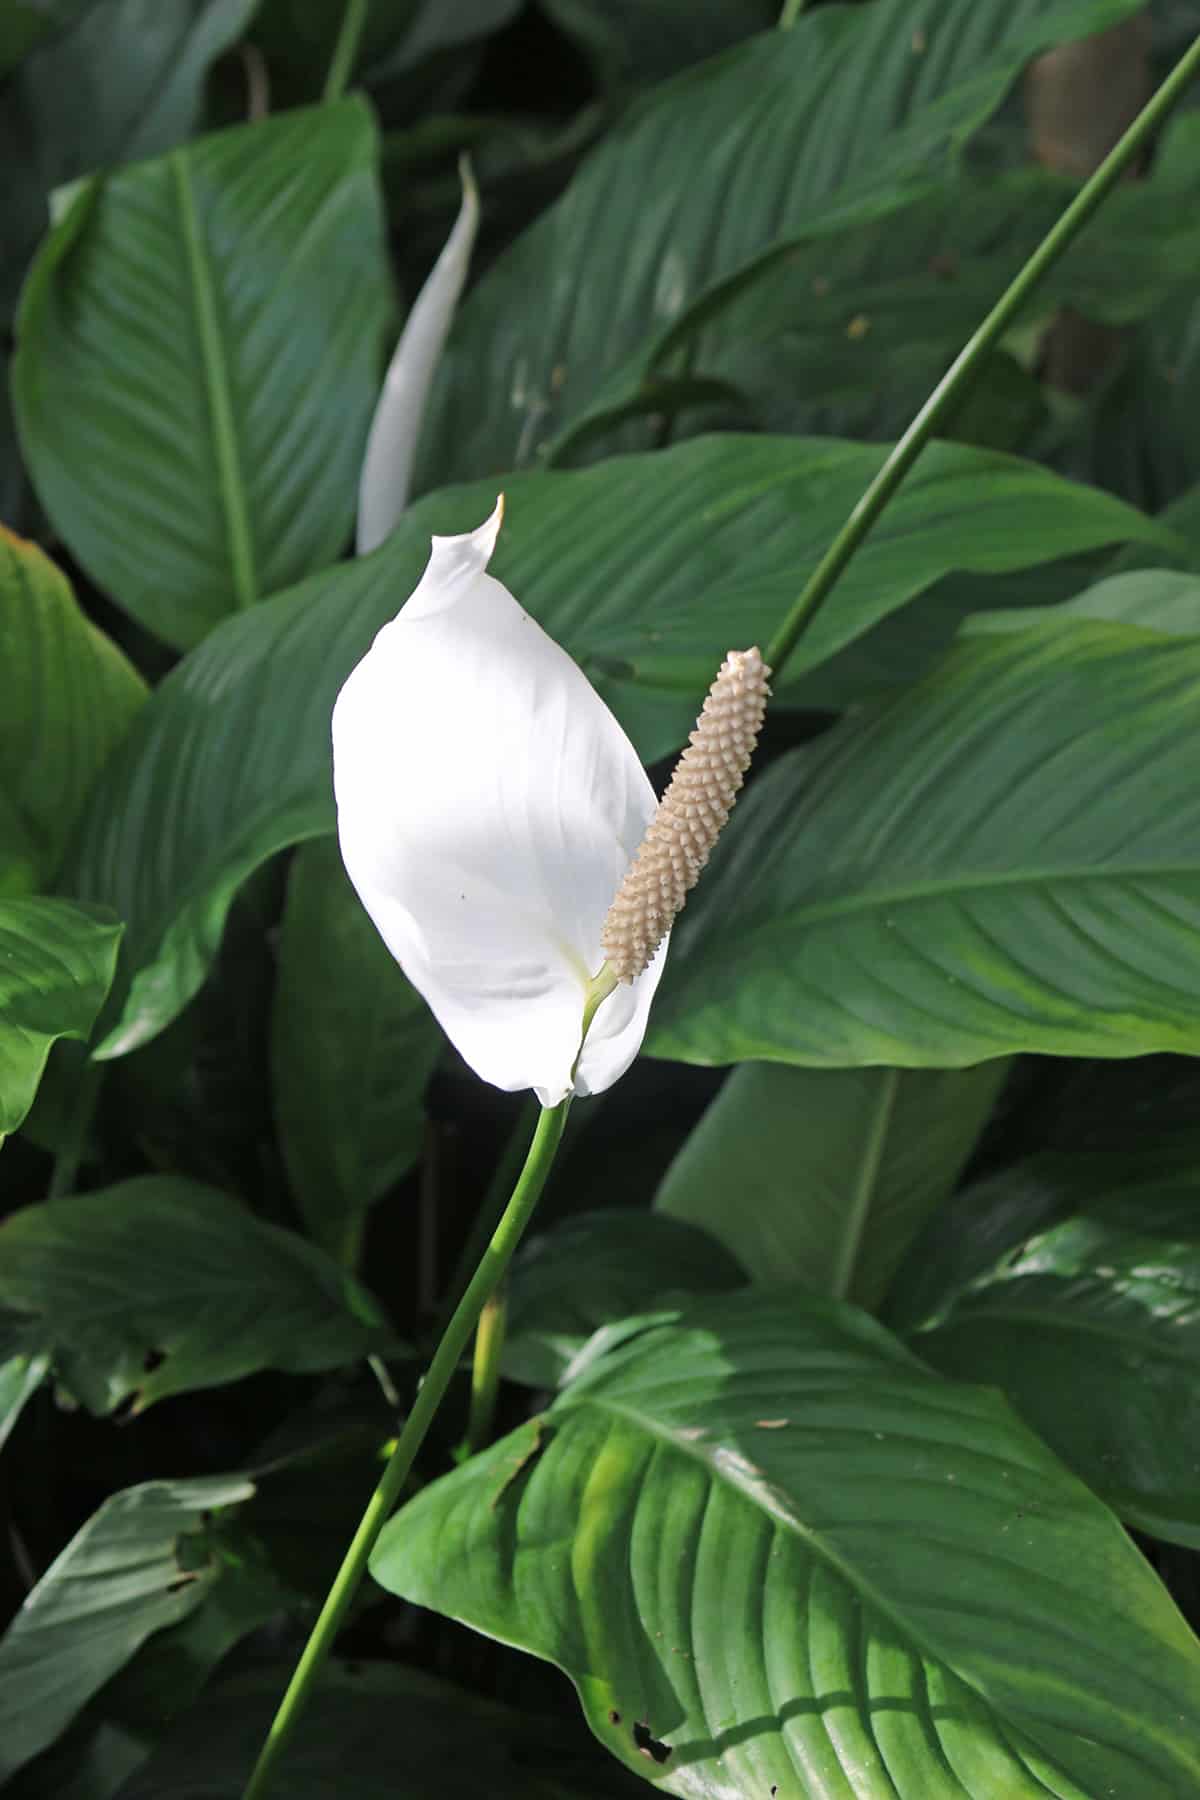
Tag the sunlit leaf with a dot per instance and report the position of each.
(770, 1549)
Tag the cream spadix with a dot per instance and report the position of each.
(699, 798)
(489, 806)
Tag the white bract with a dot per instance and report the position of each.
(396, 427)
(489, 805)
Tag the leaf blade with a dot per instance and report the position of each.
(748, 1589)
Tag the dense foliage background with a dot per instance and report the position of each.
(849, 1443)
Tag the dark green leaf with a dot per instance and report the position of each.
(56, 966)
(160, 1285)
(67, 696)
(1005, 858)
(1092, 1328)
(645, 568)
(1154, 599)
(353, 1045)
(630, 41)
(771, 1549)
(848, 335)
(139, 1564)
(378, 1732)
(198, 357)
(824, 1176)
(114, 80)
(594, 1269)
(976, 1227)
(843, 119)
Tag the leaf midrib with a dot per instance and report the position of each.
(218, 388)
(816, 1542)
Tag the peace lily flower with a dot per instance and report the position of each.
(489, 810)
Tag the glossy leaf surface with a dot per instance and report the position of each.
(56, 965)
(843, 119)
(825, 1175)
(1006, 857)
(67, 696)
(198, 350)
(159, 1285)
(1092, 1329)
(772, 1550)
(138, 1565)
(594, 1269)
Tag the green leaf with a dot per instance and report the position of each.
(1005, 858)
(198, 351)
(20, 1379)
(976, 1227)
(67, 697)
(1154, 599)
(841, 120)
(139, 1564)
(56, 966)
(378, 1731)
(723, 530)
(848, 335)
(1092, 1328)
(770, 1548)
(596, 1268)
(824, 1176)
(352, 1048)
(159, 1285)
(630, 41)
(115, 80)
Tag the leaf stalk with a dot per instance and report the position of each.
(971, 358)
(484, 1282)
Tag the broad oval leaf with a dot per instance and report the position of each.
(825, 1175)
(352, 1048)
(645, 568)
(160, 1285)
(1092, 1329)
(772, 1550)
(198, 350)
(594, 1269)
(841, 120)
(67, 696)
(1005, 858)
(138, 1565)
(56, 967)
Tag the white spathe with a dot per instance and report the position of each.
(489, 805)
(396, 427)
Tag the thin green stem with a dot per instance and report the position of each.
(485, 1369)
(493, 1204)
(345, 50)
(65, 1173)
(858, 1211)
(789, 13)
(494, 1262)
(969, 361)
